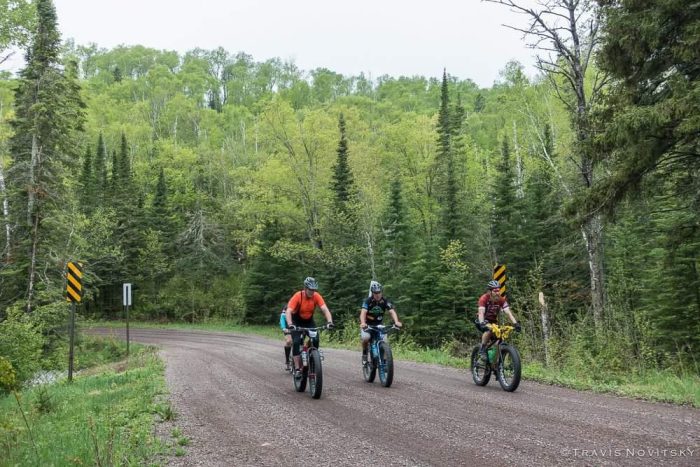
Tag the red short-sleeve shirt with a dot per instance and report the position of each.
(492, 307)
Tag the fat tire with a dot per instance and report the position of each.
(369, 371)
(386, 377)
(315, 374)
(477, 366)
(300, 384)
(511, 384)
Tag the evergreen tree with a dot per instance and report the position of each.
(117, 74)
(87, 183)
(448, 126)
(160, 202)
(48, 117)
(507, 222)
(397, 244)
(342, 184)
(124, 163)
(100, 171)
(269, 281)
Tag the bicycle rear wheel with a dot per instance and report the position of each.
(509, 368)
(369, 369)
(315, 374)
(386, 365)
(481, 371)
(300, 383)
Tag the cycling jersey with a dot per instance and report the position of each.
(304, 306)
(492, 307)
(376, 308)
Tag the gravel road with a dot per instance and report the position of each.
(237, 406)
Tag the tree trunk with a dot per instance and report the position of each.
(5, 211)
(592, 230)
(33, 218)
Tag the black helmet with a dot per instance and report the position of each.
(310, 283)
(493, 285)
(375, 287)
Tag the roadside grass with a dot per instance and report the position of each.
(654, 385)
(104, 417)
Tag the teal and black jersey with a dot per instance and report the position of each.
(376, 308)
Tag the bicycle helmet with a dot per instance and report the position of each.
(493, 285)
(375, 287)
(310, 283)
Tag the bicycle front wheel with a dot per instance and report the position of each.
(386, 365)
(315, 374)
(509, 368)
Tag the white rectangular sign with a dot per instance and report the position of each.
(127, 294)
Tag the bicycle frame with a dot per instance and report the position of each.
(307, 343)
(378, 334)
(499, 334)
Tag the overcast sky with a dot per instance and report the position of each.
(394, 37)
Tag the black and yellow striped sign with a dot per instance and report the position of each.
(74, 282)
(499, 274)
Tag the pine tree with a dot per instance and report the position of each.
(101, 180)
(269, 281)
(507, 222)
(87, 183)
(449, 124)
(342, 184)
(49, 115)
(396, 245)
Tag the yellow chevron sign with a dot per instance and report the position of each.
(74, 282)
(499, 274)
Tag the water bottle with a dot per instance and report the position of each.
(304, 358)
(492, 354)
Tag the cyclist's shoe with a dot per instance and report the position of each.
(288, 366)
(297, 374)
(364, 358)
(484, 355)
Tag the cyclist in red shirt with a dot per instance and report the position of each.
(300, 312)
(490, 304)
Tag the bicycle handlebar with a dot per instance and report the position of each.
(293, 328)
(381, 327)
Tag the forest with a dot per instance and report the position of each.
(215, 183)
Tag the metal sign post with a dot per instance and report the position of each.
(127, 303)
(74, 294)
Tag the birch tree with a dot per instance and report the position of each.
(566, 35)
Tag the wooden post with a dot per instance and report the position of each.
(545, 328)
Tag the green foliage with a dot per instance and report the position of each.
(232, 179)
(17, 19)
(8, 377)
(113, 410)
(21, 344)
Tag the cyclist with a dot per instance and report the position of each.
(300, 312)
(490, 304)
(372, 313)
(287, 338)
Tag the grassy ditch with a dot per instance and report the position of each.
(105, 417)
